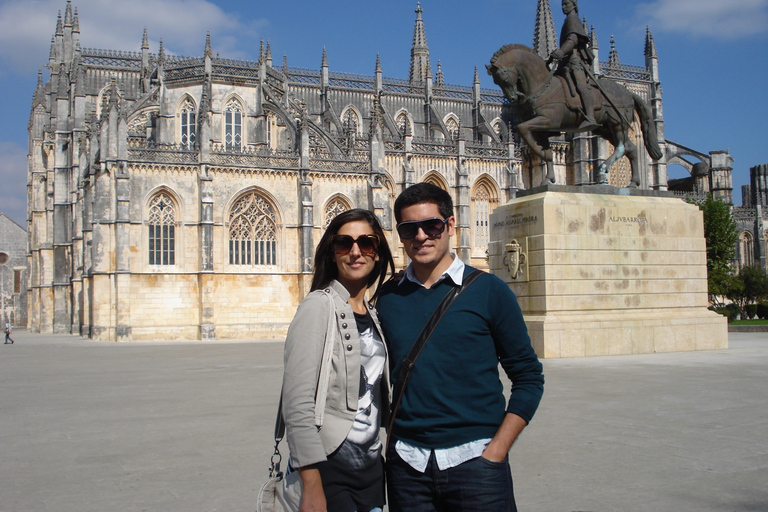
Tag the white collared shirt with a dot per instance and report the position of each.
(417, 457)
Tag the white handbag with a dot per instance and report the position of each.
(282, 491)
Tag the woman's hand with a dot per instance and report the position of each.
(312, 495)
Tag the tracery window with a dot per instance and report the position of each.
(333, 208)
(350, 121)
(453, 128)
(252, 232)
(402, 123)
(233, 125)
(188, 123)
(484, 203)
(162, 235)
(497, 129)
(746, 250)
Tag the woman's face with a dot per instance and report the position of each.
(354, 267)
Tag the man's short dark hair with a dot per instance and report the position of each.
(424, 193)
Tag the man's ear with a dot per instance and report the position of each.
(450, 226)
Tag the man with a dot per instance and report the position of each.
(574, 55)
(452, 432)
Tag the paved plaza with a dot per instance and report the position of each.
(187, 427)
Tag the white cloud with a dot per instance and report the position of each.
(719, 19)
(26, 27)
(13, 176)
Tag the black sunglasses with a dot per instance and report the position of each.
(432, 228)
(368, 244)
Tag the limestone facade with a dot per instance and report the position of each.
(13, 272)
(181, 197)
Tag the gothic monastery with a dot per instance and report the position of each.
(182, 197)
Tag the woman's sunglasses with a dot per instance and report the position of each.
(368, 244)
(431, 227)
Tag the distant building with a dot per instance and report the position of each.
(13, 272)
(752, 220)
(182, 197)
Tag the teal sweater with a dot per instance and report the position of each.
(454, 394)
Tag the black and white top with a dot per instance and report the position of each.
(353, 476)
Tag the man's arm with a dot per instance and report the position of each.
(502, 442)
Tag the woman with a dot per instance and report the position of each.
(340, 464)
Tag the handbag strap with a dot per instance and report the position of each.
(406, 366)
(321, 393)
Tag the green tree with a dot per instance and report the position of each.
(721, 235)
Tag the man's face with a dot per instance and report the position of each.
(422, 249)
(568, 6)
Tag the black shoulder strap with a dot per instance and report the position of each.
(407, 365)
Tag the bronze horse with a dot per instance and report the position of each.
(544, 108)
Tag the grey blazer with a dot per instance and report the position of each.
(303, 351)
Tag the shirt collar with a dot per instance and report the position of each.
(455, 272)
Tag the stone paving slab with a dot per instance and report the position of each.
(187, 426)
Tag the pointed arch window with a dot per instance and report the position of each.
(233, 125)
(162, 233)
(484, 203)
(453, 128)
(497, 129)
(350, 122)
(402, 123)
(333, 208)
(252, 232)
(746, 250)
(188, 124)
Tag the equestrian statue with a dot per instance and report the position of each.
(569, 98)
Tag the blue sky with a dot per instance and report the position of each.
(712, 53)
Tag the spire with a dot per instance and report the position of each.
(324, 63)
(378, 63)
(39, 95)
(161, 52)
(145, 40)
(59, 28)
(420, 66)
(650, 44)
(269, 54)
(439, 78)
(52, 53)
(208, 51)
(544, 37)
(285, 62)
(68, 14)
(593, 39)
(261, 51)
(76, 22)
(613, 57)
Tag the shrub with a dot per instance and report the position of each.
(751, 311)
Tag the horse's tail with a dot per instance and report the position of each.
(648, 127)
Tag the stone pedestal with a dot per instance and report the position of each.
(604, 272)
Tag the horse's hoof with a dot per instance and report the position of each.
(632, 184)
(551, 181)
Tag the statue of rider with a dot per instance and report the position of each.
(574, 55)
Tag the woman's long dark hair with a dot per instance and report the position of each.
(326, 269)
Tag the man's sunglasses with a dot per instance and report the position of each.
(368, 244)
(431, 227)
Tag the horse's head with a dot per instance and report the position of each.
(507, 79)
(516, 69)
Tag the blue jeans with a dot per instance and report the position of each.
(477, 485)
